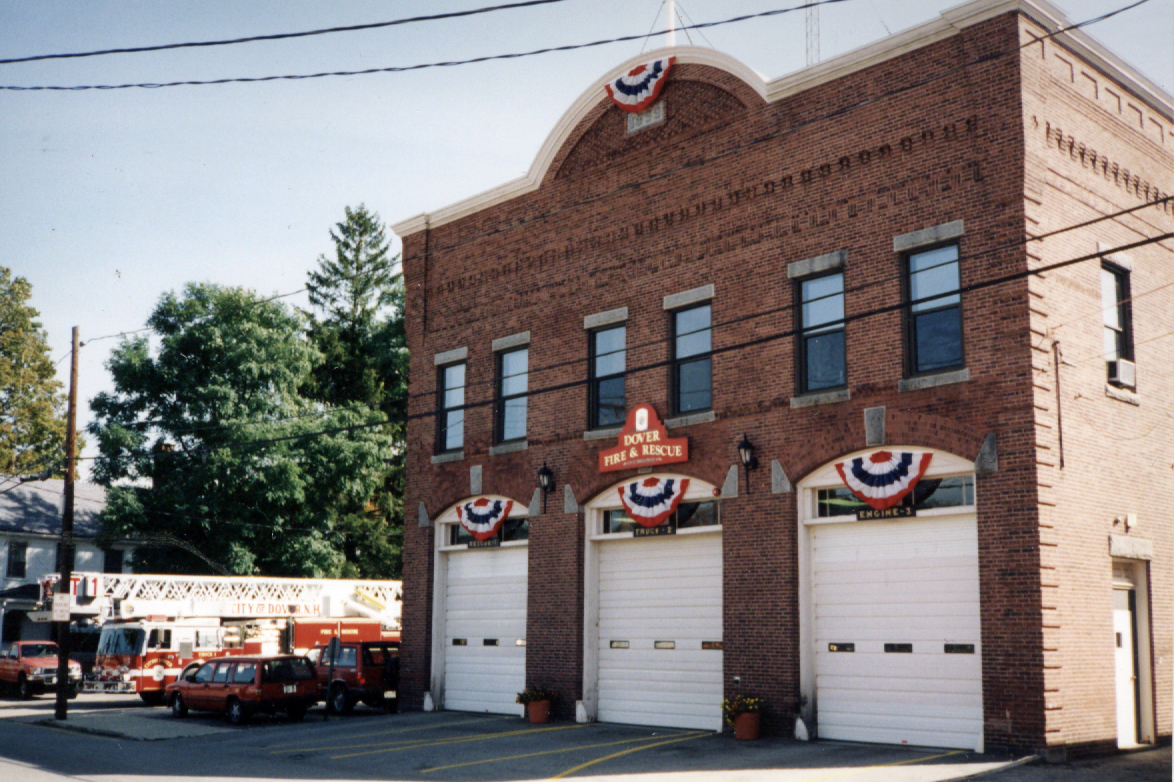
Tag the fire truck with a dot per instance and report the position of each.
(154, 625)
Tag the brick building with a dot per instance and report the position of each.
(919, 281)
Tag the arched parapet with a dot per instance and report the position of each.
(704, 66)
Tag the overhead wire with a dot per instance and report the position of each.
(399, 260)
(279, 36)
(404, 68)
(395, 401)
(786, 333)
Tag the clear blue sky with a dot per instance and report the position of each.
(111, 198)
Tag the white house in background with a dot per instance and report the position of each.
(30, 533)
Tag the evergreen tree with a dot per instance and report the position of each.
(358, 325)
(32, 403)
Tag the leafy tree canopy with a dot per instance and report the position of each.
(32, 403)
(246, 472)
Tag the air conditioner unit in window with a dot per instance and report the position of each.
(1122, 373)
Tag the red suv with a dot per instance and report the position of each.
(367, 671)
(242, 686)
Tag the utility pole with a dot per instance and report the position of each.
(63, 585)
(671, 22)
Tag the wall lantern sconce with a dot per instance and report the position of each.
(546, 483)
(746, 455)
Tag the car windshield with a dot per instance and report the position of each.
(38, 650)
(287, 670)
(121, 640)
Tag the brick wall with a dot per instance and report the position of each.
(728, 192)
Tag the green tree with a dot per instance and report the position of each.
(247, 475)
(32, 404)
(358, 325)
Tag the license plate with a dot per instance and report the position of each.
(291, 688)
(389, 693)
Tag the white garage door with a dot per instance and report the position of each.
(485, 629)
(660, 603)
(897, 632)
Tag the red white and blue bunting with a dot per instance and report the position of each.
(482, 517)
(883, 478)
(637, 89)
(651, 501)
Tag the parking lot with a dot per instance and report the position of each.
(115, 737)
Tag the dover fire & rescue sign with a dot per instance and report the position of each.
(643, 443)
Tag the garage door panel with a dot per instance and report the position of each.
(660, 590)
(913, 581)
(913, 738)
(485, 598)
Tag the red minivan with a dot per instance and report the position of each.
(242, 686)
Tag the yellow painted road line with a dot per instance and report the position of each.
(302, 745)
(536, 754)
(582, 766)
(852, 771)
(446, 742)
(304, 748)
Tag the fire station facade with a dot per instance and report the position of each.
(850, 390)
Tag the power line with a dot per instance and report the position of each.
(787, 333)
(395, 401)
(403, 68)
(279, 36)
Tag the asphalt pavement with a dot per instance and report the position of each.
(98, 740)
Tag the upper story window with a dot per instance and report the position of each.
(112, 560)
(512, 386)
(18, 552)
(935, 313)
(692, 390)
(451, 408)
(1117, 336)
(822, 333)
(607, 377)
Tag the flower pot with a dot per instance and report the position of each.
(746, 726)
(539, 712)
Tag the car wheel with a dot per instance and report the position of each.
(73, 691)
(339, 702)
(152, 697)
(236, 712)
(296, 713)
(178, 707)
(24, 688)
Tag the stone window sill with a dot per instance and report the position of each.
(514, 447)
(445, 458)
(689, 420)
(820, 398)
(603, 434)
(934, 381)
(1123, 395)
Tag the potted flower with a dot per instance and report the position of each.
(537, 701)
(744, 713)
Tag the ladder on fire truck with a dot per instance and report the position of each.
(126, 596)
